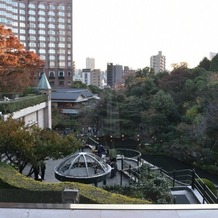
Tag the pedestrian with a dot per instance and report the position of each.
(42, 168)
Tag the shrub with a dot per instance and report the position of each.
(11, 178)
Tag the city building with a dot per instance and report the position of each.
(86, 76)
(96, 78)
(92, 77)
(44, 27)
(158, 62)
(90, 63)
(114, 75)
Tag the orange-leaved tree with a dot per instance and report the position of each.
(17, 65)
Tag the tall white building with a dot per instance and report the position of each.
(158, 62)
(90, 63)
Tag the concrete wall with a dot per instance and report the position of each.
(38, 114)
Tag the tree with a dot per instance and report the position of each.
(205, 63)
(24, 145)
(214, 64)
(17, 65)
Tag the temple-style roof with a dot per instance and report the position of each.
(43, 83)
(71, 95)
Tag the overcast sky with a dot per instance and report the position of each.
(128, 32)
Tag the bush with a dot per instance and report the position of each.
(151, 186)
(213, 169)
(12, 179)
(210, 185)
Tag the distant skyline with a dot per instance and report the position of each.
(129, 32)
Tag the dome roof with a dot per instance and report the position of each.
(83, 167)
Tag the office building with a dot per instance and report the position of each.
(90, 63)
(114, 75)
(45, 27)
(158, 62)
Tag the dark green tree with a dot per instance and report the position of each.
(205, 63)
(214, 64)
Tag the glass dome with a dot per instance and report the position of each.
(83, 167)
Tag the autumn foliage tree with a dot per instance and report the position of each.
(22, 145)
(17, 65)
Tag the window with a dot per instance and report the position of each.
(22, 24)
(31, 6)
(62, 58)
(51, 74)
(51, 83)
(41, 12)
(51, 51)
(61, 45)
(61, 20)
(32, 25)
(60, 74)
(32, 19)
(62, 39)
(22, 31)
(42, 57)
(51, 13)
(51, 32)
(51, 26)
(22, 5)
(22, 38)
(61, 26)
(42, 51)
(32, 44)
(41, 19)
(60, 13)
(51, 7)
(32, 32)
(51, 19)
(61, 83)
(61, 7)
(22, 11)
(51, 44)
(41, 25)
(41, 6)
(51, 38)
(52, 64)
(61, 64)
(51, 57)
(41, 44)
(42, 32)
(22, 18)
(42, 38)
(61, 33)
(31, 12)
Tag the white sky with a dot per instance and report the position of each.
(128, 32)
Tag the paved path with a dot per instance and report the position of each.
(50, 176)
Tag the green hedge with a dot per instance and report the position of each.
(7, 107)
(11, 178)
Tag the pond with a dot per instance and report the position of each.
(170, 164)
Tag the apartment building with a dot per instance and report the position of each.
(45, 27)
(158, 62)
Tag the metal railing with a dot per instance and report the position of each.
(188, 177)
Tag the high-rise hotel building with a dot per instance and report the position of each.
(45, 27)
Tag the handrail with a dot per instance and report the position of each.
(195, 181)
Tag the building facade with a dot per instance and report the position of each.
(90, 63)
(114, 75)
(45, 27)
(158, 62)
